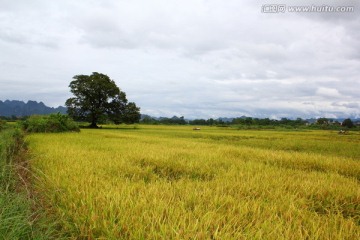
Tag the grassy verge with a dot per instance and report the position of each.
(19, 218)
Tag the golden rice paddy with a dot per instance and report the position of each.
(170, 182)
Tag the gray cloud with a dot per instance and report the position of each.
(202, 58)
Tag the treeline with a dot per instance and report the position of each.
(12, 118)
(241, 122)
(235, 121)
(322, 123)
(249, 121)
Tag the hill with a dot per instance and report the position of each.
(19, 108)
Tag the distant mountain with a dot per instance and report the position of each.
(19, 108)
(144, 116)
(225, 119)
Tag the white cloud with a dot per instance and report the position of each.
(327, 92)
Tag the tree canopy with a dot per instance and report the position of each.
(97, 98)
(347, 123)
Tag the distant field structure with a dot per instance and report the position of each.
(171, 182)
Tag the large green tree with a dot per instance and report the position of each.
(347, 123)
(96, 97)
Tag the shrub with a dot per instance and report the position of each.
(2, 124)
(50, 123)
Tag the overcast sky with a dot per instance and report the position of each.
(192, 58)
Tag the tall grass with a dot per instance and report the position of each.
(175, 183)
(18, 218)
(15, 210)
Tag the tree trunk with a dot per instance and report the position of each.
(93, 123)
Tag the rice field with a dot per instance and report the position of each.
(170, 182)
